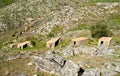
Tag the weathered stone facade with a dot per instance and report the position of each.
(53, 42)
(24, 44)
(21, 45)
(104, 41)
(80, 41)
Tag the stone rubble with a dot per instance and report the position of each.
(71, 51)
(91, 51)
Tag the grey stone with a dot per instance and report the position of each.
(55, 64)
(69, 69)
(108, 69)
(91, 72)
(117, 69)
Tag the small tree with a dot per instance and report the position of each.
(100, 29)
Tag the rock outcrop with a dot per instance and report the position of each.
(110, 69)
(71, 51)
(55, 64)
(91, 72)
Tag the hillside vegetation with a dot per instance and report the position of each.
(40, 20)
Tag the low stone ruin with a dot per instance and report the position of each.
(55, 64)
(53, 42)
(21, 45)
(24, 44)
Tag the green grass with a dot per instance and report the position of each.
(44, 74)
(93, 41)
(116, 40)
(55, 30)
(81, 27)
(4, 3)
(1, 45)
(64, 43)
(105, 0)
(39, 46)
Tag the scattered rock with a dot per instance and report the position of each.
(30, 63)
(91, 72)
(109, 69)
(117, 69)
(35, 75)
(71, 51)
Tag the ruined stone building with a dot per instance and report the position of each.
(24, 44)
(79, 41)
(104, 41)
(53, 42)
(13, 45)
(21, 45)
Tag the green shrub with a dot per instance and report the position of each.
(100, 29)
(116, 40)
(33, 43)
(81, 27)
(93, 41)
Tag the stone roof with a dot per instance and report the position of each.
(79, 39)
(106, 39)
(53, 40)
(23, 43)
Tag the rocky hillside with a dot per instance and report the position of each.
(43, 15)
(37, 21)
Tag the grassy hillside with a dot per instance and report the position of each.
(41, 16)
(4, 3)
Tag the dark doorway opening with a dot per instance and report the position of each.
(56, 43)
(74, 42)
(80, 72)
(102, 42)
(24, 46)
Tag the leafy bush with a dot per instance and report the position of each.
(33, 43)
(100, 29)
(117, 40)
